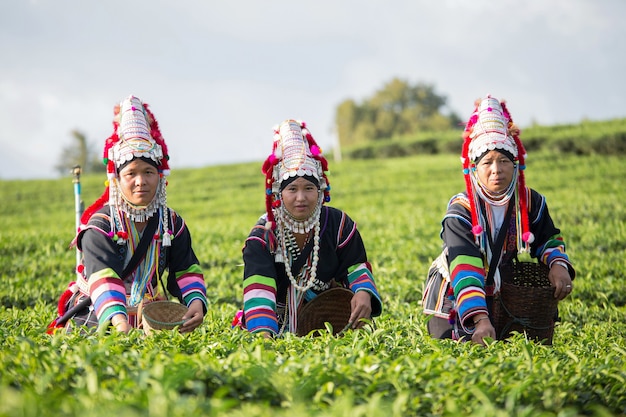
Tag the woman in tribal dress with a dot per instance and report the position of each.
(495, 198)
(133, 205)
(301, 247)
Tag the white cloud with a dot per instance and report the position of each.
(219, 75)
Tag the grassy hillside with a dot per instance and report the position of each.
(391, 369)
(606, 137)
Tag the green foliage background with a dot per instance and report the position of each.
(396, 109)
(607, 137)
(389, 369)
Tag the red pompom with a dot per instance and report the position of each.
(237, 320)
(528, 237)
(477, 230)
(268, 165)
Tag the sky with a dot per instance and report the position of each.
(219, 75)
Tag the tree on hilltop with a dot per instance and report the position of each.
(397, 109)
(79, 153)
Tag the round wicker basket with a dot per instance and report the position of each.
(162, 315)
(526, 302)
(331, 306)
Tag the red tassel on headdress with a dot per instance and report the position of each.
(111, 141)
(527, 235)
(268, 170)
(316, 152)
(155, 132)
(476, 227)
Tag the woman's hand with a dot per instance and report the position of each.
(120, 322)
(193, 317)
(560, 280)
(482, 329)
(361, 308)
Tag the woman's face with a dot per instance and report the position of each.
(300, 198)
(139, 181)
(495, 171)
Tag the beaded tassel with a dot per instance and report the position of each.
(309, 280)
(306, 281)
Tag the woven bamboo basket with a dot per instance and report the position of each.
(162, 315)
(331, 306)
(525, 303)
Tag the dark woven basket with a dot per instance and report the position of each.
(331, 306)
(162, 315)
(525, 303)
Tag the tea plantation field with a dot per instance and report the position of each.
(392, 368)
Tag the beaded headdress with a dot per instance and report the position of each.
(135, 134)
(491, 128)
(294, 153)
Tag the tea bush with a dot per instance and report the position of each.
(391, 368)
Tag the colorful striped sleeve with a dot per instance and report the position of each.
(553, 250)
(191, 284)
(108, 294)
(467, 275)
(467, 270)
(360, 278)
(259, 304)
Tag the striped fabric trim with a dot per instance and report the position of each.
(258, 239)
(471, 294)
(173, 217)
(191, 284)
(470, 261)
(111, 311)
(461, 199)
(459, 217)
(259, 304)
(107, 293)
(465, 280)
(360, 278)
(467, 274)
(340, 243)
(470, 302)
(553, 250)
(542, 207)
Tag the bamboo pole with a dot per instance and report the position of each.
(78, 205)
